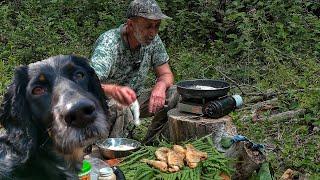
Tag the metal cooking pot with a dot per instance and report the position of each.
(109, 153)
(191, 89)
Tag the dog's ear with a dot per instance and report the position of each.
(14, 102)
(5, 108)
(17, 138)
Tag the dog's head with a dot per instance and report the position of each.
(60, 97)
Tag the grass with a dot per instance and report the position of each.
(265, 45)
(292, 143)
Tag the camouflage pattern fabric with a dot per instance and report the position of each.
(115, 63)
(122, 117)
(145, 8)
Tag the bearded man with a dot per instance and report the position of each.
(122, 58)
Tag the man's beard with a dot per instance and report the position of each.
(141, 39)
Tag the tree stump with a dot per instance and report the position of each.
(185, 126)
(247, 160)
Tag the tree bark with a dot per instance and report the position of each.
(246, 159)
(286, 115)
(184, 126)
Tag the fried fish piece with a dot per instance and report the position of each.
(174, 159)
(179, 150)
(174, 169)
(162, 166)
(193, 156)
(161, 154)
(203, 155)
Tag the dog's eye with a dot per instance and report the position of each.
(79, 75)
(38, 90)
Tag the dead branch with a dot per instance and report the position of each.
(256, 113)
(260, 104)
(272, 94)
(285, 115)
(256, 99)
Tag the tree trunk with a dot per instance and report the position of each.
(184, 126)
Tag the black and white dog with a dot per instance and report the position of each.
(53, 110)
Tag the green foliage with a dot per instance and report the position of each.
(194, 22)
(267, 44)
(289, 144)
(211, 168)
(33, 30)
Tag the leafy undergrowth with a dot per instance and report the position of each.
(211, 168)
(261, 43)
(292, 143)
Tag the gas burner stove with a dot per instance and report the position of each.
(193, 105)
(208, 107)
(206, 97)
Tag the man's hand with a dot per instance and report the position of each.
(123, 94)
(158, 97)
(158, 94)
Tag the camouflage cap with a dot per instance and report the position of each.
(145, 8)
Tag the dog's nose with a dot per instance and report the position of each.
(80, 113)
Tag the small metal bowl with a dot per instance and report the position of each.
(110, 148)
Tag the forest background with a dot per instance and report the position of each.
(261, 47)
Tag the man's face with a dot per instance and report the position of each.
(144, 29)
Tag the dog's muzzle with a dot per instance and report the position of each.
(80, 113)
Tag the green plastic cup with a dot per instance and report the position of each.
(85, 171)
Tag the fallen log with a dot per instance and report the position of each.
(285, 115)
(259, 109)
(258, 105)
(272, 94)
(256, 97)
